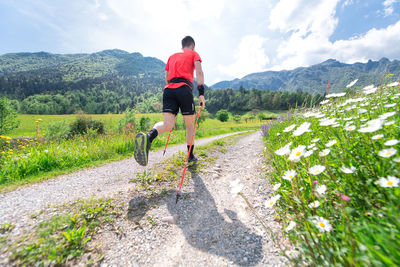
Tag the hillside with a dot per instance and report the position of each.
(107, 81)
(314, 79)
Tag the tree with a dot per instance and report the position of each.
(8, 116)
(222, 115)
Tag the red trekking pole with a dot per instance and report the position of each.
(187, 158)
(166, 144)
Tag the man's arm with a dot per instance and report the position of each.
(200, 83)
(166, 77)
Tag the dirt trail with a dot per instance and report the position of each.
(213, 227)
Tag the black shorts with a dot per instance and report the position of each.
(175, 98)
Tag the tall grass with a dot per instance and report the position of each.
(335, 179)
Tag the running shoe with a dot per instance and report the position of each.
(142, 147)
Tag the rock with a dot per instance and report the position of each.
(170, 219)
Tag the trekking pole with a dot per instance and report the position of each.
(166, 144)
(187, 158)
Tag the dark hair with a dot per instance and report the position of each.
(187, 41)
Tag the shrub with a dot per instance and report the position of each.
(222, 115)
(58, 130)
(237, 118)
(144, 123)
(204, 114)
(128, 122)
(83, 123)
(8, 116)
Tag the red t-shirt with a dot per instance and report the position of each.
(181, 65)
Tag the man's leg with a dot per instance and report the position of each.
(189, 122)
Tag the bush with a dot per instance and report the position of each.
(128, 122)
(144, 123)
(58, 130)
(8, 116)
(237, 118)
(204, 114)
(222, 115)
(83, 123)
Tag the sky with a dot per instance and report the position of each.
(233, 37)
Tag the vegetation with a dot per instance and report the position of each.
(336, 179)
(222, 115)
(314, 79)
(8, 116)
(64, 237)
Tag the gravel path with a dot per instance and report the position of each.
(108, 180)
(210, 226)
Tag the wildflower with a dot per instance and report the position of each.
(284, 150)
(324, 152)
(348, 119)
(236, 187)
(321, 189)
(390, 105)
(348, 170)
(390, 181)
(327, 122)
(289, 128)
(352, 83)
(396, 160)
(345, 198)
(322, 224)
(350, 128)
(324, 102)
(308, 153)
(317, 169)
(290, 227)
(296, 153)
(276, 187)
(336, 95)
(371, 126)
(315, 182)
(392, 142)
(387, 153)
(386, 115)
(389, 123)
(314, 204)
(315, 140)
(393, 84)
(271, 202)
(304, 127)
(377, 137)
(289, 175)
(330, 143)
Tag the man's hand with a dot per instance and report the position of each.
(202, 101)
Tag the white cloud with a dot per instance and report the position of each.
(388, 7)
(250, 57)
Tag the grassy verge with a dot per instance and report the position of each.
(335, 175)
(64, 238)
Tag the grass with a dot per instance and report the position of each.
(25, 160)
(63, 238)
(335, 179)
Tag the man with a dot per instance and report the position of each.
(177, 95)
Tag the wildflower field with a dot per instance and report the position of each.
(335, 176)
(27, 158)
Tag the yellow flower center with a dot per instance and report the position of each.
(379, 137)
(290, 176)
(271, 203)
(322, 224)
(388, 153)
(389, 183)
(298, 154)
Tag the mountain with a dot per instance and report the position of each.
(107, 81)
(314, 79)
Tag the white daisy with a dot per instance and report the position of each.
(290, 227)
(348, 170)
(284, 150)
(324, 152)
(296, 153)
(236, 187)
(311, 146)
(324, 102)
(271, 202)
(390, 105)
(396, 160)
(289, 128)
(392, 142)
(315, 140)
(389, 123)
(386, 115)
(393, 84)
(289, 175)
(276, 187)
(377, 136)
(308, 153)
(304, 127)
(371, 126)
(330, 143)
(322, 224)
(321, 189)
(327, 122)
(350, 128)
(387, 153)
(314, 204)
(390, 181)
(317, 169)
(352, 83)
